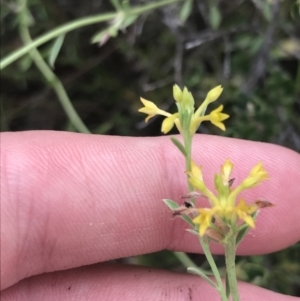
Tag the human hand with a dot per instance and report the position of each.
(71, 200)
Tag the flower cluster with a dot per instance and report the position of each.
(187, 117)
(224, 208)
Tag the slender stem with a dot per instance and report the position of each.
(48, 73)
(205, 246)
(63, 29)
(230, 249)
(181, 256)
(188, 147)
(185, 259)
(213, 266)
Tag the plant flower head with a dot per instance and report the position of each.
(224, 206)
(186, 118)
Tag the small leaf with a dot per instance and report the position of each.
(129, 20)
(172, 205)
(100, 37)
(187, 219)
(179, 145)
(214, 17)
(192, 231)
(202, 273)
(103, 36)
(185, 10)
(295, 10)
(55, 49)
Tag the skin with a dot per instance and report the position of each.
(70, 202)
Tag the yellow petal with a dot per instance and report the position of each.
(226, 170)
(167, 125)
(203, 219)
(151, 109)
(256, 176)
(148, 104)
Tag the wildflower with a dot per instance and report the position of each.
(215, 117)
(151, 109)
(186, 117)
(214, 94)
(223, 204)
(257, 174)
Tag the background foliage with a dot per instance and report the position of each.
(250, 47)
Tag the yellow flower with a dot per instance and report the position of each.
(203, 219)
(256, 176)
(244, 212)
(215, 117)
(226, 170)
(151, 109)
(211, 96)
(168, 123)
(186, 118)
(224, 205)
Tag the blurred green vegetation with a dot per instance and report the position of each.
(250, 47)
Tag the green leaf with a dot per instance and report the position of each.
(102, 36)
(295, 10)
(202, 273)
(187, 219)
(179, 145)
(215, 17)
(129, 20)
(172, 205)
(55, 49)
(192, 231)
(185, 10)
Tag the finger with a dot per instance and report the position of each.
(71, 199)
(116, 282)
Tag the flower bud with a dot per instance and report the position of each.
(177, 93)
(214, 94)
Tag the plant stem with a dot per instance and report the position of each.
(52, 79)
(213, 266)
(205, 246)
(230, 249)
(74, 25)
(188, 159)
(185, 260)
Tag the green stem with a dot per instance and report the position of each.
(185, 259)
(74, 25)
(213, 266)
(181, 256)
(230, 249)
(52, 79)
(188, 159)
(205, 246)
